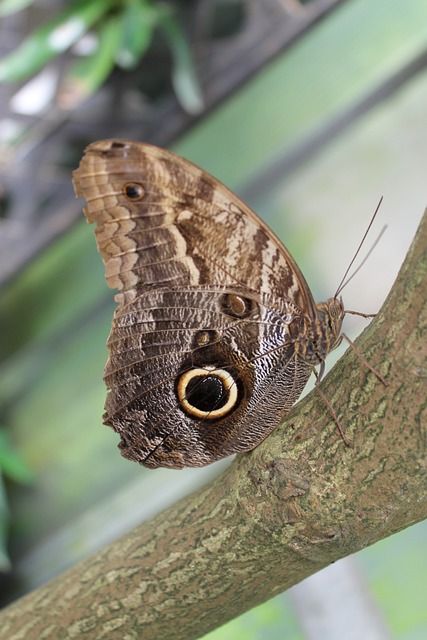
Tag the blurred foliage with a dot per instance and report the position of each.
(101, 35)
(12, 467)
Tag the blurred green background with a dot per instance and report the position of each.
(55, 316)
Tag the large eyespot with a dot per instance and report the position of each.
(207, 392)
(133, 191)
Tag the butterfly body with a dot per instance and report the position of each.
(216, 332)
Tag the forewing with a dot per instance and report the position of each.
(185, 229)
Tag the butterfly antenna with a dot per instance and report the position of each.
(341, 287)
(345, 281)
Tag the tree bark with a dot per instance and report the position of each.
(299, 501)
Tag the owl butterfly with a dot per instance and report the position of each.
(216, 332)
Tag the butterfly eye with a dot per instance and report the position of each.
(208, 393)
(133, 191)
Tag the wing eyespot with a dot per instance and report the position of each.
(236, 306)
(207, 392)
(133, 191)
(205, 337)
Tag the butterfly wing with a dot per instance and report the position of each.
(182, 226)
(206, 288)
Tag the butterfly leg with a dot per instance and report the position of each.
(365, 362)
(331, 409)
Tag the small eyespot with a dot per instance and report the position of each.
(133, 191)
(204, 337)
(207, 392)
(235, 305)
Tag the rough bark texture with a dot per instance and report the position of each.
(295, 504)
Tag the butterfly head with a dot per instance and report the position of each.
(324, 332)
(331, 315)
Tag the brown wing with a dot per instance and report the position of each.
(202, 349)
(163, 335)
(162, 221)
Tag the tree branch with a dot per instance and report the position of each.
(299, 501)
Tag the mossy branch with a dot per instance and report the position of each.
(298, 502)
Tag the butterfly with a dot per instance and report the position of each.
(216, 331)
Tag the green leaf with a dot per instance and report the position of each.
(52, 38)
(139, 22)
(12, 6)
(11, 464)
(184, 77)
(88, 74)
